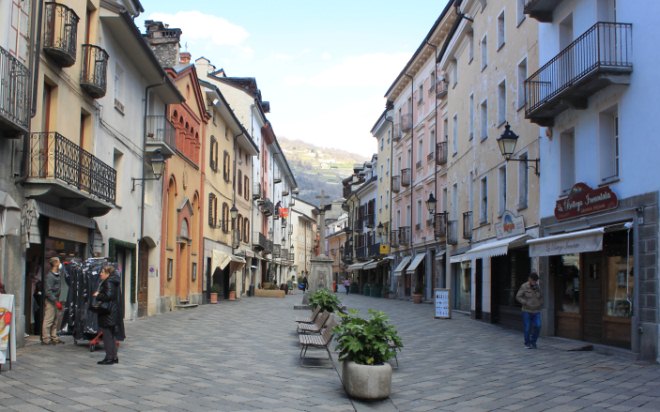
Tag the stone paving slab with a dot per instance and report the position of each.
(243, 356)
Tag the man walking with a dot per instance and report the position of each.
(52, 304)
(531, 298)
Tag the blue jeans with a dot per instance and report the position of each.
(532, 323)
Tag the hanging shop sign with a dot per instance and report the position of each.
(583, 200)
(509, 225)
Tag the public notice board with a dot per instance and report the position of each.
(442, 303)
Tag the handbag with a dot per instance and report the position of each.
(99, 307)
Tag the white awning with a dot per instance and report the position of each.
(496, 247)
(459, 258)
(375, 263)
(357, 266)
(590, 240)
(237, 262)
(402, 265)
(10, 215)
(418, 259)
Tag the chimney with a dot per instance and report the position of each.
(164, 42)
(184, 58)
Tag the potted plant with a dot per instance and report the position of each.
(418, 294)
(324, 299)
(232, 291)
(215, 290)
(365, 346)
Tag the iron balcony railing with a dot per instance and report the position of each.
(277, 250)
(52, 156)
(256, 191)
(452, 232)
(14, 95)
(396, 184)
(370, 220)
(267, 207)
(396, 132)
(373, 250)
(264, 244)
(467, 225)
(361, 251)
(441, 153)
(406, 122)
(440, 226)
(604, 48)
(406, 176)
(160, 130)
(60, 33)
(404, 235)
(441, 88)
(94, 70)
(394, 238)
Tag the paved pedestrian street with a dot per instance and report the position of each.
(243, 356)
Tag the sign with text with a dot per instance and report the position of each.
(583, 200)
(509, 225)
(442, 301)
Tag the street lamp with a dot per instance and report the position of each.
(507, 143)
(157, 162)
(430, 204)
(379, 231)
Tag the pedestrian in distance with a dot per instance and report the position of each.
(531, 298)
(305, 284)
(347, 285)
(52, 304)
(111, 323)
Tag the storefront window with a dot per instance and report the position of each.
(567, 272)
(620, 285)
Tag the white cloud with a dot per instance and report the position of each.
(203, 28)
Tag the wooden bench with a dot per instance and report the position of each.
(311, 318)
(315, 327)
(321, 341)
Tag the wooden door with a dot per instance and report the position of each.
(592, 319)
(478, 289)
(143, 279)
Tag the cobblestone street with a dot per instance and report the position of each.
(243, 355)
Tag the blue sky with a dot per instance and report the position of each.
(323, 66)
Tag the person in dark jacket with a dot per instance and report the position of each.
(110, 323)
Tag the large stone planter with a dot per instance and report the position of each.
(369, 382)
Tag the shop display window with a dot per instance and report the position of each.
(567, 272)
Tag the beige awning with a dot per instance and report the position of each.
(590, 240)
(357, 266)
(496, 247)
(459, 258)
(402, 265)
(220, 260)
(413, 265)
(375, 263)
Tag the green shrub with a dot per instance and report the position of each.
(324, 299)
(369, 341)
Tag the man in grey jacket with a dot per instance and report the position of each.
(531, 298)
(52, 304)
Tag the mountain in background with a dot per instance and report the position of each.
(318, 168)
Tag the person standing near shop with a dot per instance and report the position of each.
(111, 323)
(52, 305)
(347, 285)
(531, 298)
(305, 283)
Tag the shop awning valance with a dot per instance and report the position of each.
(402, 265)
(219, 260)
(375, 263)
(10, 215)
(357, 266)
(496, 247)
(459, 258)
(589, 240)
(416, 261)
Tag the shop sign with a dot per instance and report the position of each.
(583, 200)
(384, 249)
(509, 225)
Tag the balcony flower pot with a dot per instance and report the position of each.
(365, 346)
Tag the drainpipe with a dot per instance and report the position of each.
(390, 175)
(34, 65)
(412, 162)
(435, 148)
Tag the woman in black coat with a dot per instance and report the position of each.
(112, 322)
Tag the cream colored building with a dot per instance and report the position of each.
(492, 204)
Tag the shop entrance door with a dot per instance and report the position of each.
(593, 298)
(143, 279)
(478, 287)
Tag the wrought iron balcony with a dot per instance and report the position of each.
(541, 10)
(601, 56)
(267, 207)
(396, 132)
(361, 252)
(59, 170)
(467, 225)
(60, 33)
(452, 232)
(404, 235)
(256, 191)
(406, 122)
(14, 96)
(440, 226)
(277, 250)
(161, 135)
(396, 184)
(370, 220)
(406, 177)
(394, 238)
(441, 153)
(263, 243)
(93, 78)
(441, 88)
(373, 250)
